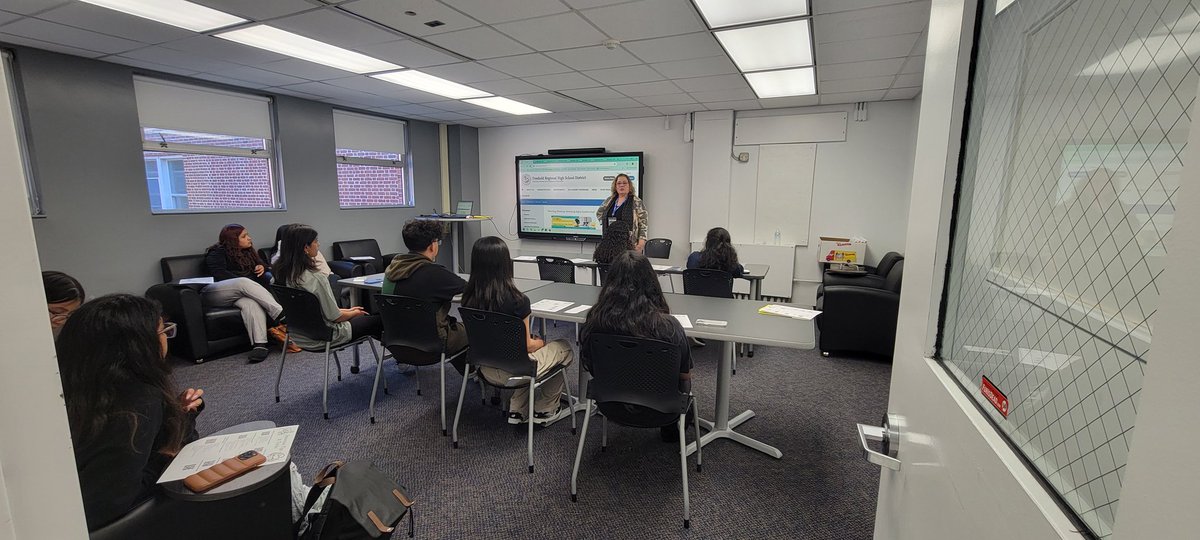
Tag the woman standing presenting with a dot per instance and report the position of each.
(624, 205)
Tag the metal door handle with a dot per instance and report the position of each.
(889, 435)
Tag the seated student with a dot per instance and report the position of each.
(319, 259)
(631, 303)
(64, 295)
(718, 253)
(491, 288)
(240, 279)
(416, 275)
(127, 419)
(617, 239)
(297, 267)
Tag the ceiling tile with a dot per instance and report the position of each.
(822, 7)
(305, 70)
(625, 75)
(69, 36)
(666, 99)
(466, 72)
(889, 20)
(498, 11)
(453, 105)
(594, 58)
(852, 97)
(588, 94)
(294, 93)
(6, 17)
(261, 76)
(637, 112)
(343, 95)
(413, 109)
(648, 89)
(914, 64)
(724, 95)
(526, 65)
(699, 67)
(908, 80)
(479, 42)
(408, 53)
(708, 84)
(481, 123)
(225, 50)
(227, 80)
(561, 31)
(740, 105)
(680, 109)
(114, 23)
(391, 13)
(792, 101)
(865, 49)
(902, 93)
(45, 45)
(614, 103)
(685, 47)
(363, 83)
(507, 87)
(562, 81)
(258, 9)
(584, 4)
(646, 19)
(857, 85)
(171, 57)
(336, 28)
(552, 102)
(29, 7)
(153, 66)
(449, 116)
(859, 70)
(592, 115)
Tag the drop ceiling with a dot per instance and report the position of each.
(545, 53)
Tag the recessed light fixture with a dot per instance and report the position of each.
(428, 83)
(298, 46)
(783, 83)
(769, 46)
(721, 13)
(506, 105)
(181, 13)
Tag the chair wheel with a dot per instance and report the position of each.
(603, 448)
(326, 415)
(372, 419)
(418, 392)
(687, 523)
(199, 360)
(750, 354)
(276, 399)
(483, 402)
(531, 469)
(735, 372)
(699, 468)
(574, 498)
(386, 393)
(443, 433)
(454, 444)
(825, 354)
(354, 370)
(572, 431)
(339, 377)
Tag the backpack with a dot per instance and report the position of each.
(353, 501)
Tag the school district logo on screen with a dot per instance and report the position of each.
(526, 179)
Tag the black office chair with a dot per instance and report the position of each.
(658, 248)
(498, 341)
(410, 333)
(602, 269)
(304, 317)
(635, 383)
(346, 250)
(556, 269)
(705, 282)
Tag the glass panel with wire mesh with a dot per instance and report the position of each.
(1077, 122)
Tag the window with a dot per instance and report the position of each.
(372, 166)
(32, 190)
(1070, 166)
(206, 150)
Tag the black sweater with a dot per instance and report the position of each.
(119, 466)
(221, 266)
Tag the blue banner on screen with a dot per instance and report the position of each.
(557, 196)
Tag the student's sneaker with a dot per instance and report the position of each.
(552, 416)
(516, 418)
(258, 354)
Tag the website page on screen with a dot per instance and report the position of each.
(561, 195)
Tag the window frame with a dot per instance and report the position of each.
(404, 163)
(33, 188)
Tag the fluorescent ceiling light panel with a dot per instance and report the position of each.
(769, 46)
(173, 12)
(298, 46)
(788, 82)
(506, 105)
(434, 85)
(721, 13)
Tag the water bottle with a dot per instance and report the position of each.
(777, 237)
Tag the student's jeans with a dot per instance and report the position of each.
(257, 305)
(554, 354)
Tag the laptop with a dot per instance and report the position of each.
(464, 210)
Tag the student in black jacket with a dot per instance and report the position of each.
(240, 279)
(127, 419)
(415, 274)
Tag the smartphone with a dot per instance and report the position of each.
(224, 471)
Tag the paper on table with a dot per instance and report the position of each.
(581, 260)
(661, 267)
(274, 443)
(788, 311)
(527, 258)
(196, 280)
(578, 309)
(362, 258)
(683, 319)
(550, 306)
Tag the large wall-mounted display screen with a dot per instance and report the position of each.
(557, 196)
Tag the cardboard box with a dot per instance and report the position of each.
(835, 249)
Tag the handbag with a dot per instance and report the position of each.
(353, 501)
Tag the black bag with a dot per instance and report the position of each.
(353, 501)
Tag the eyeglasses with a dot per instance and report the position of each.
(169, 330)
(60, 318)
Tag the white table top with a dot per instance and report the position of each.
(523, 285)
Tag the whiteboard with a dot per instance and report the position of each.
(783, 203)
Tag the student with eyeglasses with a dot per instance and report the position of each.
(64, 295)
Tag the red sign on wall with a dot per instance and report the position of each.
(994, 395)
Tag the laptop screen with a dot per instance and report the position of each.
(464, 208)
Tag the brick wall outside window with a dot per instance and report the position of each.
(366, 185)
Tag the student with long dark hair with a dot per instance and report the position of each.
(616, 240)
(64, 295)
(631, 303)
(491, 288)
(297, 268)
(240, 279)
(718, 253)
(127, 418)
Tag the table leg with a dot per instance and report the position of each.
(457, 226)
(722, 427)
(756, 293)
(354, 360)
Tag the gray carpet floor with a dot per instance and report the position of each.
(806, 406)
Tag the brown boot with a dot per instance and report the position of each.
(279, 333)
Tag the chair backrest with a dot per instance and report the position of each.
(602, 269)
(303, 312)
(706, 282)
(894, 277)
(182, 266)
(634, 371)
(658, 248)
(885, 264)
(356, 248)
(410, 328)
(497, 340)
(266, 253)
(556, 269)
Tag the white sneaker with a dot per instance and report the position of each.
(551, 417)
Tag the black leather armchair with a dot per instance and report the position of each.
(860, 319)
(874, 277)
(204, 332)
(345, 250)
